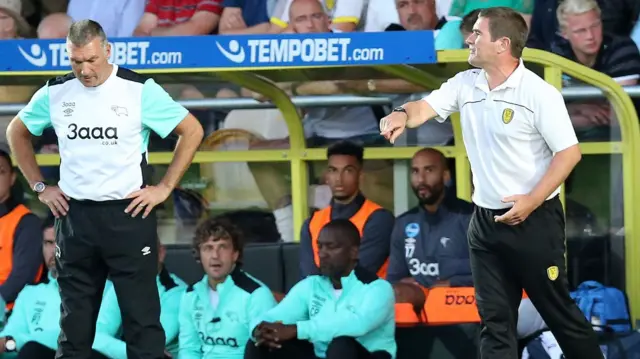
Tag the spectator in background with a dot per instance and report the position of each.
(12, 24)
(186, 18)
(216, 312)
(20, 240)
(54, 26)
(617, 56)
(34, 326)
(36, 10)
(619, 17)
(108, 340)
(466, 25)
(118, 18)
(374, 223)
(345, 312)
(429, 242)
(344, 15)
(249, 17)
(544, 25)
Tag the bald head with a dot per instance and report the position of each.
(429, 173)
(308, 16)
(54, 26)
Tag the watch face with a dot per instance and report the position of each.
(10, 345)
(39, 187)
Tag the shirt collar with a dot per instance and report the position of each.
(513, 81)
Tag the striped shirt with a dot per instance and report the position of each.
(618, 57)
(173, 12)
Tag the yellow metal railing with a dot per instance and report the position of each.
(299, 155)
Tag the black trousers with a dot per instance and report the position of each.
(96, 239)
(34, 350)
(339, 348)
(504, 260)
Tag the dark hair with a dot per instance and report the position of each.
(346, 148)
(49, 221)
(84, 31)
(506, 22)
(343, 229)
(7, 157)
(219, 228)
(466, 25)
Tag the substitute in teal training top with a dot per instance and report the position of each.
(343, 311)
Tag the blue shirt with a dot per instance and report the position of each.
(254, 12)
(364, 310)
(109, 325)
(222, 332)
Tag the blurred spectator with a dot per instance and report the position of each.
(461, 8)
(118, 18)
(544, 25)
(20, 239)
(249, 17)
(54, 26)
(617, 56)
(36, 10)
(189, 18)
(374, 223)
(344, 15)
(619, 17)
(467, 23)
(12, 24)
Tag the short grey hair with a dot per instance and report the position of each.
(575, 7)
(84, 31)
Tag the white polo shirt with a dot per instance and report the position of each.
(511, 132)
(103, 132)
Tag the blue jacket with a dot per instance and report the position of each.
(109, 325)
(222, 332)
(36, 315)
(363, 310)
(432, 246)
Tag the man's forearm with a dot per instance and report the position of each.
(561, 166)
(20, 143)
(418, 112)
(186, 148)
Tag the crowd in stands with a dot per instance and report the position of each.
(420, 249)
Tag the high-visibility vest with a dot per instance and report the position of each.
(8, 225)
(323, 216)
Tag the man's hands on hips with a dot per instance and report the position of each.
(393, 125)
(146, 199)
(523, 205)
(55, 199)
(273, 335)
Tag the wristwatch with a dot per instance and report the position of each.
(400, 109)
(9, 345)
(39, 187)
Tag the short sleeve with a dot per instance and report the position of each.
(214, 6)
(444, 100)
(35, 115)
(151, 7)
(348, 11)
(553, 122)
(160, 112)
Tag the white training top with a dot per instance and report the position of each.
(103, 131)
(511, 132)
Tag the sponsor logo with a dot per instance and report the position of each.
(282, 51)
(412, 230)
(420, 268)
(109, 135)
(451, 299)
(126, 53)
(229, 342)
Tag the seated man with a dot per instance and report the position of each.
(429, 242)
(215, 313)
(108, 339)
(34, 326)
(346, 312)
(373, 222)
